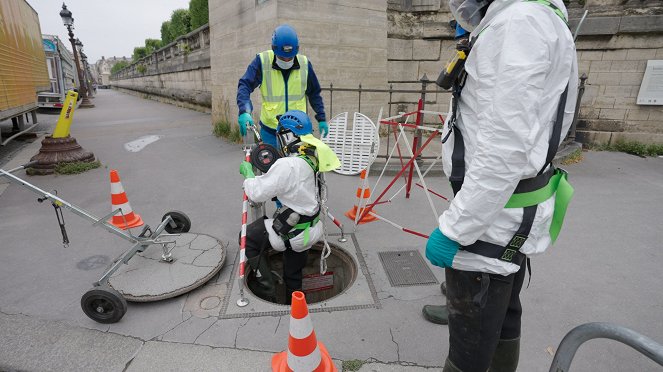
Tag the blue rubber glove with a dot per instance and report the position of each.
(323, 128)
(441, 250)
(244, 119)
(246, 170)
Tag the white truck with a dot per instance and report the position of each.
(61, 72)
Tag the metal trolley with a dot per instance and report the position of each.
(102, 303)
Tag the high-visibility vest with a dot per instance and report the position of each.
(274, 92)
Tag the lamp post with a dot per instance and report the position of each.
(68, 21)
(87, 74)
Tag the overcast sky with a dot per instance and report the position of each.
(107, 27)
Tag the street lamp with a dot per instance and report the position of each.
(68, 21)
(88, 75)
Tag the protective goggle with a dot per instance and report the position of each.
(285, 139)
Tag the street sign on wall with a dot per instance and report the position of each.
(651, 89)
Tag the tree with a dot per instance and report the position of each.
(166, 33)
(180, 23)
(119, 66)
(139, 52)
(199, 11)
(152, 45)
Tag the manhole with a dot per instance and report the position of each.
(406, 268)
(341, 273)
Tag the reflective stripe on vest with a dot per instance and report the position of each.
(274, 91)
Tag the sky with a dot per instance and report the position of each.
(107, 27)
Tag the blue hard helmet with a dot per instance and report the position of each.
(285, 43)
(291, 126)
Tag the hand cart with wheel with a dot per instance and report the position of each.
(102, 303)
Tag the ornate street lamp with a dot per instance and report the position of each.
(63, 148)
(68, 21)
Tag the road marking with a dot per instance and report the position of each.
(139, 144)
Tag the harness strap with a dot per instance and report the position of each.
(301, 227)
(529, 192)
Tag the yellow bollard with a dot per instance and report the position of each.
(66, 116)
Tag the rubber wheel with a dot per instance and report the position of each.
(104, 305)
(181, 220)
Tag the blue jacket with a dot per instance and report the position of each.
(253, 78)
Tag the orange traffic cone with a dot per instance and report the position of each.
(127, 218)
(362, 193)
(304, 352)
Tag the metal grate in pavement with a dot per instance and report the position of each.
(406, 268)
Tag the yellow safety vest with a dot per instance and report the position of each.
(273, 89)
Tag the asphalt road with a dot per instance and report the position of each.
(604, 267)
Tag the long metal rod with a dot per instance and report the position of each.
(585, 332)
(63, 203)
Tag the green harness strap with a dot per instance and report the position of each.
(558, 186)
(552, 6)
(298, 228)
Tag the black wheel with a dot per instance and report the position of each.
(104, 305)
(181, 222)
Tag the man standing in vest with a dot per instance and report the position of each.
(511, 110)
(286, 79)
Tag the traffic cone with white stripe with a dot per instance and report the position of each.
(304, 352)
(363, 193)
(126, 218)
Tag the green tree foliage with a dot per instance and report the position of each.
(166, 34)
(180, 23)
(139, 52)
(152, 45)
(199, 11)
(119, 66)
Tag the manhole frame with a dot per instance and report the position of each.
(230, 309)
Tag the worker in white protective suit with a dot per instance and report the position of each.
(511, 109)
(293, 179)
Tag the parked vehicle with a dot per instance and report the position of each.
(61, 72)
(23, 71)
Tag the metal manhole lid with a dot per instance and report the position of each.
(406, 268)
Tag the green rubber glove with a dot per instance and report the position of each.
(324, 128)
(244, 119)
(246, 170)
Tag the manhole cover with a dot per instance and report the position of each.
(406, 268)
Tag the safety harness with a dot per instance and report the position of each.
(530, 192)
(305, 222)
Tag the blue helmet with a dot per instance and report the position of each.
(291, 126)
(285, 43)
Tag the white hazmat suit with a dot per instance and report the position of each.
(521, 62)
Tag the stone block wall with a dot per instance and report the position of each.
(614, 44)
(178, 73)
(345, 40)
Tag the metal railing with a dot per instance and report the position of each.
(585, 332)
(401, 105)
(196, 41)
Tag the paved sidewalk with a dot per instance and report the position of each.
(605, 266)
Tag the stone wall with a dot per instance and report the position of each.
(345, 40)
(614, 44)
(178, 73)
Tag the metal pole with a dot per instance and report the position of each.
(585, 332)
(81, 79)
(581, 90)
(331, 100)
(415, 149)
(359, 109)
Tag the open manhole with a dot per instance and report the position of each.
(341, 273)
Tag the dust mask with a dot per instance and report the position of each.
(283, 64)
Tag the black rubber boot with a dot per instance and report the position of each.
(506, 356)
(450, 367)
(288, 295)
(438, 314)
(263, 285)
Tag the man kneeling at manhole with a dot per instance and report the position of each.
(294, 180)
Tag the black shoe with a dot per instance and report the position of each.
(437, 314)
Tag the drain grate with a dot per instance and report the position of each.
(406, 268)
